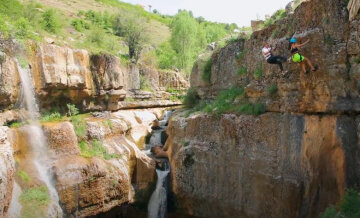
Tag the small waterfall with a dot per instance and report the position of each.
(157, 207)
(38, 140)
(15, 206)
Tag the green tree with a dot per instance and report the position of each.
(184, 39)
(214, 32)
(51, 21)
(132, 28)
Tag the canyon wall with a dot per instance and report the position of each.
(94, 171)
(92, 82)
(298, 157)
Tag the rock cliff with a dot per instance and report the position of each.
(94, 172)
(298, 157)
(92, 82)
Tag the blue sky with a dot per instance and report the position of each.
(226, 11)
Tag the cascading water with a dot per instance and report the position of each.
(157, 207)
(37, 140)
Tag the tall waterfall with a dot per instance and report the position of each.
(157, 207)
(37, 140)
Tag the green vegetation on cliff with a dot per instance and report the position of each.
(349, 207)
(35, 201)
(114, 27)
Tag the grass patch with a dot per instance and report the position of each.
(35, 201)
(258, 73)
(24, 176)
(241, 55)
(206, 76)
(95, 149)
(242, 71)
(79, 124)
(349, 207)
(16, 124)
(272, 89)
(231, 100)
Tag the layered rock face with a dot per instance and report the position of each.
(333, 46)
(92, 82)
(273, 165)
(297, 158)
(87, 183)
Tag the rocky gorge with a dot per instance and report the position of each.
(295, 159)
(93, 160)
(302, 153)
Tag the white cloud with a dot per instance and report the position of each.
(227, 11)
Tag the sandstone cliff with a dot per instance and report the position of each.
(92, 82)
(297, 158)
(89, 180)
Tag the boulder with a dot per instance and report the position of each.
(61, 138)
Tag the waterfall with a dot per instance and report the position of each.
(37, 140)
(157, 207)
(15, 206)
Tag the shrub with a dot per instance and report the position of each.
(51, 21)
(34, 201)
(242, 71)
(166, 56)
(24, 176)
(51, 116)
(258, 73)
(23, 29)
(272, 89)
(191, 98)
(279, 14)
(80, 25)
(206, 76)
(349, 207)
(72, 110)
(145, 84)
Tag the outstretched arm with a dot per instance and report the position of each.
(301, 45)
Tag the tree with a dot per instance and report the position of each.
(132, 28)
(184, 39)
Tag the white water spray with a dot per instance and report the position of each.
(157, 207)
(15, 206)
(38, 140)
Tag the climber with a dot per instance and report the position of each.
(272, 59)
(296, 57)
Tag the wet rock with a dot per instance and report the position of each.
(159, 152)
(61, 138)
